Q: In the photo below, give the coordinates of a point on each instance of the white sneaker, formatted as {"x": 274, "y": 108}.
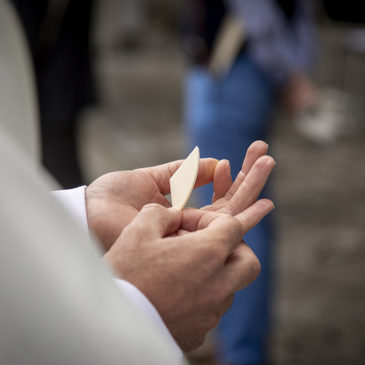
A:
{"x": 329, "y": 120}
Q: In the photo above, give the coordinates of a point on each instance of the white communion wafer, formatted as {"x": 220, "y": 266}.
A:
{"x": 183, "y": 180}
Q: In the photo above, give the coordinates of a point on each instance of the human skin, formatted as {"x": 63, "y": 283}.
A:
{"x": 189, "y": 264}
{"x": 114, "y": 199}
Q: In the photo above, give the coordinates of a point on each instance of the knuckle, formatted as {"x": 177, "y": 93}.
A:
{"x": 225, "y": 224}
{"x": 228, "y": 235}
{"x": 233, "y": 223}
{"x": 234, "y": 228}
{"x": 217, "y": 253}
{"x": 212, "y": 256}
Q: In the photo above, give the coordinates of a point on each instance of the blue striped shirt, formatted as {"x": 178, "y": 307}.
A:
{"x": 280, "y": 46}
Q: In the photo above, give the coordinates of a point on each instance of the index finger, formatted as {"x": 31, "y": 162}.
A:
{"x": 161, "y": 174}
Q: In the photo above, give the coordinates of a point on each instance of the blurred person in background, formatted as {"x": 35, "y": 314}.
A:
{"x": 58, "y": 35}
{"x": 227, "y": 109}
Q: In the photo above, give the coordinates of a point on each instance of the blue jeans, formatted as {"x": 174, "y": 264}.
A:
{"x": 223, "y": 117}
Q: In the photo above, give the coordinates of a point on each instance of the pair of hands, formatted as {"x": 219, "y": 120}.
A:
{"x": 189, "y": 264}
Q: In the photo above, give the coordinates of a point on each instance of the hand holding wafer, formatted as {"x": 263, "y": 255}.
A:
{"x": 114, "y": 199}
{"x": 190, "y": 263}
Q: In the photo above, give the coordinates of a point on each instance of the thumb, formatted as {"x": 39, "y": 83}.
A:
{"x": 155, "y": 221}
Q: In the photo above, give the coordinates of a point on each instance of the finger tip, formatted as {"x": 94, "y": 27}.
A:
{"x": 268, "y": 205}
{"x": 272, "y": 162}
{"x": 262, "y": 145}
{"x": 224, "y": 164}
{"x": 266, "y": 159}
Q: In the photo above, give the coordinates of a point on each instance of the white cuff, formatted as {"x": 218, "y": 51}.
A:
{"x": 139, "y": 300}
{"x": 74, "y": 201}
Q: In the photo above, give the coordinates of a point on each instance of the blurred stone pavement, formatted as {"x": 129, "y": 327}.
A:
{"x": 319, "y": 191}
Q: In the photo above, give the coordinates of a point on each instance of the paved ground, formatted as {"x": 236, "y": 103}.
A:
{"x": 319, "y": 304}
{"x": 320, "y": 255}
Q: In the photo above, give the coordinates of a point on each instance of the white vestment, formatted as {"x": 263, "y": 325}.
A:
{"x": 58, "y": 303}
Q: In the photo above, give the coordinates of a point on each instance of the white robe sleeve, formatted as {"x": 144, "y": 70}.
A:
{"x": 59, "y": 303}
{"x": 140, "y": 301}
{"x": 74, "y": 201}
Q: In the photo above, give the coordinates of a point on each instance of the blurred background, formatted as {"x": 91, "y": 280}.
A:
{"x": 131, "y": 116}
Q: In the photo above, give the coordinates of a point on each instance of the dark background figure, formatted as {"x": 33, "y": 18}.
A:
{"x": 349, "y": 11}
{"x": 58, "y": 33}
{"x": 225, "y": 112}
